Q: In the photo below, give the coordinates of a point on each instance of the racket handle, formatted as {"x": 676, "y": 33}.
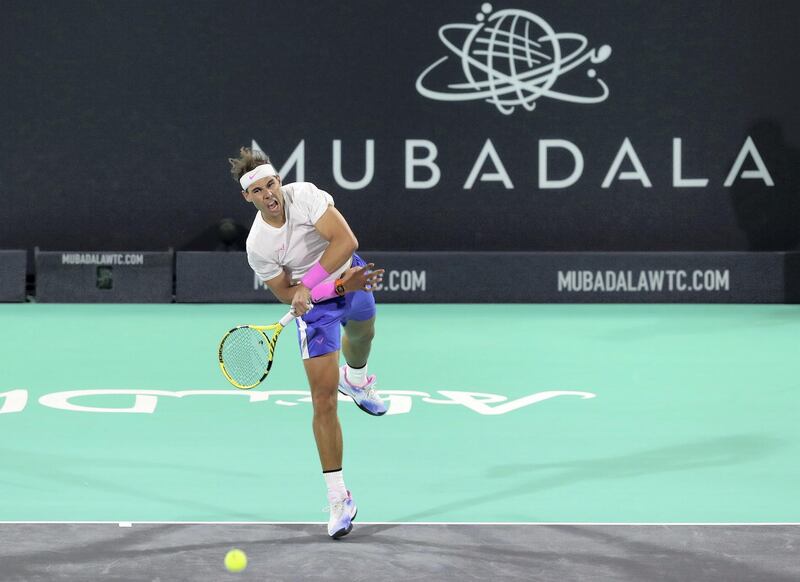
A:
{"x": 287, "y": 319}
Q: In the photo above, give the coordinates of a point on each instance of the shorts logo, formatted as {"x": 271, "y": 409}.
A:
{"x": 512, "y": 59}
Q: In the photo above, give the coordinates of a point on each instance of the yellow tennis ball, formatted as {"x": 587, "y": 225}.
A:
{"x": 235, "y": 560}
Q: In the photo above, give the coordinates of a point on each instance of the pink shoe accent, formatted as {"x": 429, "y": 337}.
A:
{"x": 368, "y": 380}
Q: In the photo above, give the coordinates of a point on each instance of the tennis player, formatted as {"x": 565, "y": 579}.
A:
{"x": 304, "y": 250}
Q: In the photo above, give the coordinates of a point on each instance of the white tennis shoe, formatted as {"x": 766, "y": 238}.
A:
{"x": 365, "y": 397}
{"x": 342, "y": 515}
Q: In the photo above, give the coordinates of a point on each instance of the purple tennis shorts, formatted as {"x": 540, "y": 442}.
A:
{"x": 318, "y": 330}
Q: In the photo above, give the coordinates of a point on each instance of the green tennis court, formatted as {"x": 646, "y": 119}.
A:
{"x": 499, "y": 413}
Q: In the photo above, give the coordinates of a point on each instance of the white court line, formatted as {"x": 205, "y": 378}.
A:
{"x": 429, "y": 523}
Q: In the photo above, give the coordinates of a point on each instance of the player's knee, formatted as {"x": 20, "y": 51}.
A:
{"x": 361, "y": 335}
{"x": 325, "y": 404}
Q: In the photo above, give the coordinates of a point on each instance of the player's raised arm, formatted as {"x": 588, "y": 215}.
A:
{"x": 342, "y": 244}
{"x": 334, "y": 228}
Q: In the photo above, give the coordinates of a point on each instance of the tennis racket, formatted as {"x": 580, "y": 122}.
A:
{"x": 246, "y": 352}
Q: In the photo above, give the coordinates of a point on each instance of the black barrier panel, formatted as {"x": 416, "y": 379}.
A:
{"x": 526, "y": 278}
{"x": 217, "y": 278}
{"x": 514, "y": 125}
{"x": 792, "y": 278}
{"x": 582, "y": 277}
{"x": 104, "y": 277}
{"x": 12, "y": 275}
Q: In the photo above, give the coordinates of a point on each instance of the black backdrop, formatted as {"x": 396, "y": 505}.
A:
{"x": 118, "y": 117}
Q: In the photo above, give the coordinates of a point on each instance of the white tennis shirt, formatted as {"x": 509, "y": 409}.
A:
{"x": 296, "y": 245}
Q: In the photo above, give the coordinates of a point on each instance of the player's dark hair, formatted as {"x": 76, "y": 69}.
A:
{"x": 247, "y": 160}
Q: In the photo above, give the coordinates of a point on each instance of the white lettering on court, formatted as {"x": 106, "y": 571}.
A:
{"x": 398, "y": 401}
{"x": 14, "y": 401}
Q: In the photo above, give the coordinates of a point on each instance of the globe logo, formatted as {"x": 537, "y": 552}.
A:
{"x": 511, "y": 58}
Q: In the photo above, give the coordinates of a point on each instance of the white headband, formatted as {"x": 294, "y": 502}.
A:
{"x": 262, "y": 171}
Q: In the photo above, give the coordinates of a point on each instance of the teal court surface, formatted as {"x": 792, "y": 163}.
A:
{"x": 615, "y": 417}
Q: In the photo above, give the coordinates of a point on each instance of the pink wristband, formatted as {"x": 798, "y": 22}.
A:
{"x": 323, "y": 291}
{"x": 316, "y": 275}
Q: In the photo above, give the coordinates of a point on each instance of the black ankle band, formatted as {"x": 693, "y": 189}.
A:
{"x": 332, "y": 470}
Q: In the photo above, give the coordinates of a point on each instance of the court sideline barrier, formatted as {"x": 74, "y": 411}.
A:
{"x": 12, "y": 275}
{"x": 104, "y": 277}
{"x": 217, "y": 277}
{"x": 490, "y": 277}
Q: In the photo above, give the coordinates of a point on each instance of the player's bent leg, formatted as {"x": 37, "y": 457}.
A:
{"x": 359, "y": 327}
{"x": 353, "y": 379}
{"x": 357, "y": 341}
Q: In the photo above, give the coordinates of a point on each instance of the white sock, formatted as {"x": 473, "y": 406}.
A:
{"x": 357, "y": 376}
{"x": 335, "y": 482}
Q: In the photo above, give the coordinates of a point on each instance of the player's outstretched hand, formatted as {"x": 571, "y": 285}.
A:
{"x": 364, "y": 278}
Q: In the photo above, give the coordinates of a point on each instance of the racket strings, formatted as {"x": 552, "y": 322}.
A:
{"x": 246, "y": 355}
